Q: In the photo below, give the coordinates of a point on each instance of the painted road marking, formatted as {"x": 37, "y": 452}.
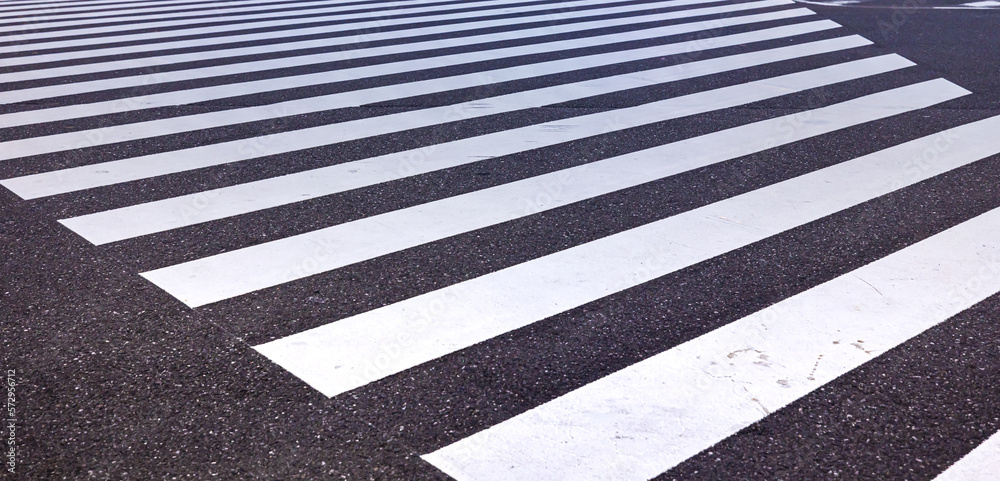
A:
{"x": 338, "y": 357}
{"x": 503, "y": 202}
{"x": 124, "y": 170}
{"x": 171, "y": 213}
{"x": 263, "y": 22}
{"x": 59, "y": 90}
{"x": 140, "y": 130}
{"x": 982, "y": 464}
{"x": 651, "y": 416}
{"x": 354, "y": 53}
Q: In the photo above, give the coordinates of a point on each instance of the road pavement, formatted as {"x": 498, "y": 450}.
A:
{"x": 500, "y": 239}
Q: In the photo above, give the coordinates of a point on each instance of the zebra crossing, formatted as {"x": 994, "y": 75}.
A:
{"x": 145, "y": 127}
{"x": 901, "y": 290}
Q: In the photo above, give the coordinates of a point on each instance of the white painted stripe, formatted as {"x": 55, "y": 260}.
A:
{"x": 89, "y": 4}
{"x": 241, "y": 22}
{"x": 23, "y": 95}
{"x": 50, "y": 19}
{"x": 111, "y": 134}
{"x": 338, "y": 357}
{"x": 113, "y": 65}
{"x": 68, "y": 6}
{"x": 60, "y": 19}
{"x": 265, "y": 265}
{"x": 651, "y": 416}
{"x": 261, "y": 21}
{"x": 492, "y": 206}
{"x": 322, "y": 77}
{"x": 983, "y": 463}
{"x": 124, "y": 170}
{"x": 244, "y": 21}
{"x": 17, "y": 5}
{"x": 108, "y": 135}
{"x": 377, "y": 33}
{"x": 11, "y": 12}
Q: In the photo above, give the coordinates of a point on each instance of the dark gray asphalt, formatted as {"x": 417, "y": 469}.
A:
{"x": 118, "y": 380}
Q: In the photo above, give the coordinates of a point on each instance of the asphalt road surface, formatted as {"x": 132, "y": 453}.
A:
{"x": 500, "y": 240}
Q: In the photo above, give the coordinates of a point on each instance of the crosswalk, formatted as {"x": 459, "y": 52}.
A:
{"x": 235, "y": 151}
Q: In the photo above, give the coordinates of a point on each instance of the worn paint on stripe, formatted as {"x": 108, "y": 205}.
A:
{"x": 651, "y": 416}
{"x": 341, "y": 356}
